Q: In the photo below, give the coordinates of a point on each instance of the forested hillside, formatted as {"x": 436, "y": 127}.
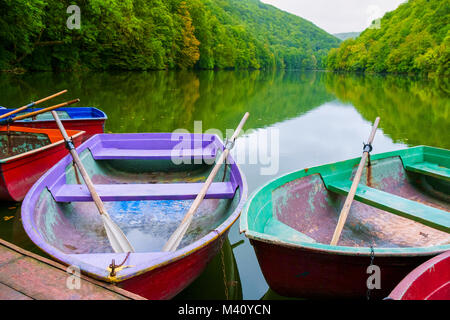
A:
{"x": 157, "y": 34}
{"x": 414, "y": 38}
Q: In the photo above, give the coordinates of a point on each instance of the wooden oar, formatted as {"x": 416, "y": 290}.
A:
{"x": 117, "y": 238}
{"x": 34, "y": 113}
{"x": 32, "y": 104}
{"x": 175, "y": 239}
{"x": 348, "y": 202}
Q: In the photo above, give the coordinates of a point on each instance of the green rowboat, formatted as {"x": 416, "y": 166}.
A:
{"x": 399, "y": 219}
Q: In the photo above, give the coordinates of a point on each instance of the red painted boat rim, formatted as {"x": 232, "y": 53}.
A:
{"x": 401, "y": 289}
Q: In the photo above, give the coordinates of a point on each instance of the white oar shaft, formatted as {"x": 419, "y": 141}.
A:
{"x": 177, "y": 236}
{"x": 348, "y": 201}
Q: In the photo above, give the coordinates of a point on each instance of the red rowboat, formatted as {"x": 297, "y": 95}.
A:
{"x": 429, "y": 281}
{"x": 27, "y": 153}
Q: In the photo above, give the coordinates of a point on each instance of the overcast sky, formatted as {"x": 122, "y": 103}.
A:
{"x": 335, "y": 16}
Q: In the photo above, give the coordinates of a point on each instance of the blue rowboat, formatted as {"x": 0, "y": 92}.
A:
{"x": 148, "y": 183}
{"x": 88, "y": 119}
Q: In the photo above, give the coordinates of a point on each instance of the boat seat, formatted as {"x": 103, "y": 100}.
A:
{"x": 429, "y": 216}
{"x": 135, "y": 192}
{"x": 430, "y": 169}
{"x": 153, "y": 154}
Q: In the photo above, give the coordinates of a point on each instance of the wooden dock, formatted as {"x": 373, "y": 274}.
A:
{"x": 28, "y": 276}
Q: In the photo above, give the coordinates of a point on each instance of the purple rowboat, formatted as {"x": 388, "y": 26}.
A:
{"x": 148, "y": 182}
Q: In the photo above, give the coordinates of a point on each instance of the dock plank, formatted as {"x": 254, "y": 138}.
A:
{"x": 7, "y": 293}
{"x": 25, "y": 275}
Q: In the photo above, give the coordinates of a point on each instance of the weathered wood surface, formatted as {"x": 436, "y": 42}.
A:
{"x": 25, "y": 275}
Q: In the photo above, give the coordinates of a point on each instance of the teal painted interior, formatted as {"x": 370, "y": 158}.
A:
{"x": 263, "y": 217}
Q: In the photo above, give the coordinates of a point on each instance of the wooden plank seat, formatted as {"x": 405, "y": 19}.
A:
{"x": 164, "y": 154}
{"x": 413, "y": 210}
{"x": 135, "y": 192}
{"x": 107, "y": 153}
{"x": 430, "y": 169}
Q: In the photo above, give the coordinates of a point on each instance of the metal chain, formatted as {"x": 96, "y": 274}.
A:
{"x": 372, "y": 257}
{"x": 222, "y": 258}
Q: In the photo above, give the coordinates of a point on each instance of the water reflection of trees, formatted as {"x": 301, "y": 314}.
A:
{"x": 412, "y": 111}
{"x": 166, "y": 100}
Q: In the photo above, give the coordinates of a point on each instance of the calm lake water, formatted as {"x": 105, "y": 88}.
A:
{"x": 306, "y": 118}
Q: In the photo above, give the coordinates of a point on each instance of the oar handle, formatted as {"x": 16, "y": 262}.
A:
{"x": 177, "y": 236}
{"x": 34, "y": 113}
{"x": 51, "y": 97}
{"x": 351, "y": 194}
{"x": 240, "y": 126}
{"x": 32, "y": 104}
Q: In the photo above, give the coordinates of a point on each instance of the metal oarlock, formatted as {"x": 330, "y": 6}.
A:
{"x": 229, "y": 144}
{"x": 367, "y": 147}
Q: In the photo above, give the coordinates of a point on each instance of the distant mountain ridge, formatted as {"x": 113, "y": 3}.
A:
{"x": 347, "y": 35}
{"x": 414, "y": 38}
{"x": 293, "y": 41}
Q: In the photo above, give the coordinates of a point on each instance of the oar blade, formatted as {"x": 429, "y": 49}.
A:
{"x": 117, "y": 238}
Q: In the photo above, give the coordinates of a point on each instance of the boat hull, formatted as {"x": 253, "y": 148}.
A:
{"x": 19, "y": 173}
{"x": 429, "y": 281}
{"x": 166, "y": 282}
{"x": 313, "y": 274}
